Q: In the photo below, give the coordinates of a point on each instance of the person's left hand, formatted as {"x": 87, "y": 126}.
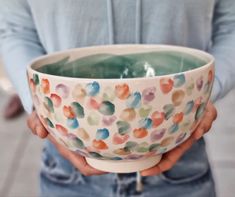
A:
{"x": 169, "y": 159}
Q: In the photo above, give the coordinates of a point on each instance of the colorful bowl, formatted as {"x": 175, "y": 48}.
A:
{"x": 122, "y": 125}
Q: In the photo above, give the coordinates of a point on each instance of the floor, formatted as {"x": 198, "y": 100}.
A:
{"x": 20, "y": 153}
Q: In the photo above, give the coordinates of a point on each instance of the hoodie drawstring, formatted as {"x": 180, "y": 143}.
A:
{"x": 139, "y": 184}
{"x": 138, "y": 22}
{"x": 110, "y": 21}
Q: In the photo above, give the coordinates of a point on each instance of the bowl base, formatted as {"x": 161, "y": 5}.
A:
{"x": 124, "y": 166}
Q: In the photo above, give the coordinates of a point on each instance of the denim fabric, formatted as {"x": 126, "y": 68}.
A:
{"x": 191, "y": 176}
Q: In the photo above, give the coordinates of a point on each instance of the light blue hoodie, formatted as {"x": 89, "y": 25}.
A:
{"x": 31, "y": 28}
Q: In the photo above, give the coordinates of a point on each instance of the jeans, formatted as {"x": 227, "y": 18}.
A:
{"x": 191, "y": 176}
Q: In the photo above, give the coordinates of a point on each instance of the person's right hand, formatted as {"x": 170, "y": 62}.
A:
{"x": 77, "y": 160}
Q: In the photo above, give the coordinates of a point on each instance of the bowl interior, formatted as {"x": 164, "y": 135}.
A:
{"x": 127, "y": 62}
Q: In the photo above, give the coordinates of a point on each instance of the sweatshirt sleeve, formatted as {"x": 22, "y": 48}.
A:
{"x": 19, "y": 45}
{"x": 223, "y": 47}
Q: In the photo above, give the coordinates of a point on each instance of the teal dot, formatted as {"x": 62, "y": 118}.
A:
{"x": 174, "y": 128}
{"x": 189, "y": 107}
{"x": 123, "y": 127}
{"x": 168, "y": 110}
{"x": 116, "y": 158}
{"x": 134, "y": 100}
{"x": 49, "y": 104}
{"x": 72, "y": 123}
{"x": 154, "y": 147}
{"x": 179, "y": 80}
{"x": 49, "y": 123}
{"x": 76, "y": 142}
{"x": 102, "y": 134}
{"x": 145, "y": 123}
{"x": 107, "y": 108}
{"x": 131, "y": 145}
{"x": 78, "y": 109}
{"x": 95, "y": 155}
{"x": 142, "y": 148}
{"x": 35, "y": 79}
{"x": 93, "y": 89}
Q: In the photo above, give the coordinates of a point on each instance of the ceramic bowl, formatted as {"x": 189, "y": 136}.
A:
{"x": 122, "y": 125}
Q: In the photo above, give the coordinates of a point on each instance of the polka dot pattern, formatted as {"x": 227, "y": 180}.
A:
{"x": 121, "y": 120}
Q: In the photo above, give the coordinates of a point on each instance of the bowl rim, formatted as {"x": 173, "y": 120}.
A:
{"x": 147, "y": 46}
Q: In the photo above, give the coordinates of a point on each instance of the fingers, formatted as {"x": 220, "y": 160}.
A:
{"x": 211, "y": 110}
{"x": 198, "y": 133}
{"x": 61, "y": 149}
{"x": 206, "y": 123}
{"x": 31, "y": 122}
{"x": 36, "y": 126}
{"x": 169, "y": 159}
{"x": 78, "y": 161}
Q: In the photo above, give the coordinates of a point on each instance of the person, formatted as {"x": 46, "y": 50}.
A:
{"x": 33, "y": 28}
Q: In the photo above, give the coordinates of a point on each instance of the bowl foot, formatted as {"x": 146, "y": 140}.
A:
{"x": 124, "y": 166}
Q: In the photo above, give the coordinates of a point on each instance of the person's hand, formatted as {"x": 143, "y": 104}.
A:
{"x": 169, "y": 159}
{"x": 78, "y": 161}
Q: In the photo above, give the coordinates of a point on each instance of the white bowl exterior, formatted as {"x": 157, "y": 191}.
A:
{"x": 196, "y": 89}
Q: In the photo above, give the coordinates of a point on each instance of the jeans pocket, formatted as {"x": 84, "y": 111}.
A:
{"x": 184, "y": 178}
{"x": 58, "y": 170}
{"x": 191, "y": 167}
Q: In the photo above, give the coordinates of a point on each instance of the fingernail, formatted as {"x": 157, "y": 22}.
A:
{"x": 38, "y": 130}
{"x": 143, "y": 174}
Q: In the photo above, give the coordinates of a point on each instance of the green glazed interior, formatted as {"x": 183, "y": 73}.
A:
{"x": 134, "y": 65}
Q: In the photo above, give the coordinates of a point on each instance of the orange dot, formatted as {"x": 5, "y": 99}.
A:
{"x": 140, "y": 133}
{"x": 178, "y": 97}
{"x": 93, "y": 103}
{"x": 122, "y": 151}
{"x": 122, "y": 91}
{"x": 56, "y": 100}
{"x": 157, "y": 118}
{"x": 61, "y": 129}
{"x": 178, "y": 117}
{"x": 45, "y": 86}
{"x": 167, "y": 141}
{"x": 166, "y": 85}
{"x": 128, "y": 114}
{"x": 99, "y": 144}
{"x": 68, "y": 112}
